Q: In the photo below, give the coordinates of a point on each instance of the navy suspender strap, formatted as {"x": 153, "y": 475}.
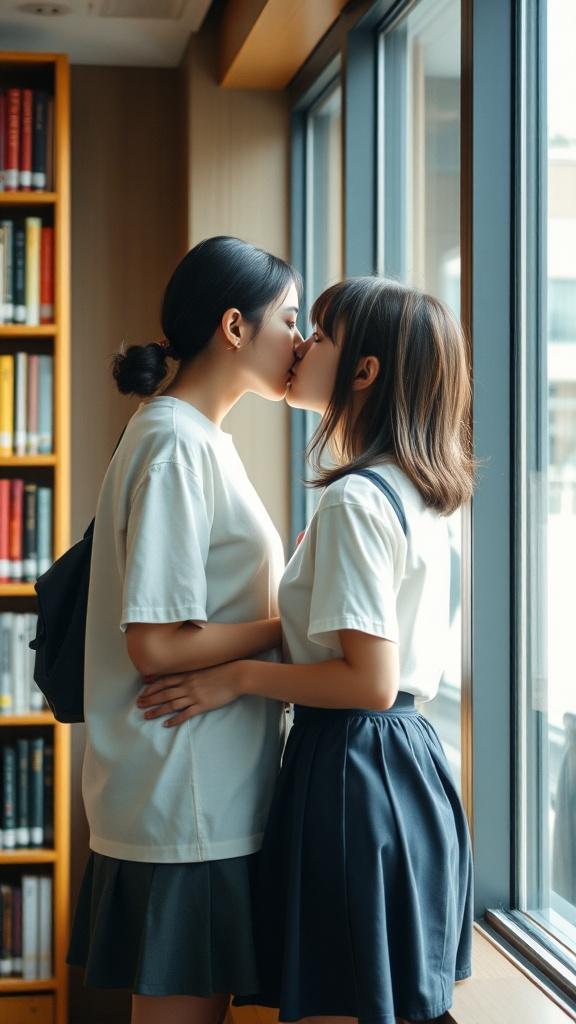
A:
{"x": 390, "y": 493}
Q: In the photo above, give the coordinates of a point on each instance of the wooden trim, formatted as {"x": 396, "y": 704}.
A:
{"x": 249, "y": 33}
{"x": 57, "y": 337}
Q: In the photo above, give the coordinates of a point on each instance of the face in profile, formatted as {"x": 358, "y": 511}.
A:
{"x": 270, "y": 355}
{"x": 313, "y": 374}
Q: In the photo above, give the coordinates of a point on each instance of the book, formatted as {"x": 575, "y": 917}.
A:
{"x": 37, "y": 701}
{"x": 48, "y": 795}
{"x": 33, "y": 386}
{"x": 6, "y": 958}
{"x": 7, "y": 271}
{"x": 44, "y": 967}
{"x": 30, "y": 546}
{"x": 44, "y": 520}
{"x": 4, "y": 530}
{"x": 16, "y": 529}
{"x": 6, "y": 687}
{"x": 2, "y": 138}
{"x": 17, "y": 930}
{"x": 8, "y": 797}
{"x": 40, "y": 140}
{"x": 33, "y": 231}
{"x": 20, "y": 401}
{"x": 25, "y": 168}
{"x": 12, "y": 155}
{"x": 30, "y": 926}
{"x": 20, "y": 685}
{"x": 6, "y": 404}
{"x": 46, "y": 405}
{"x": 37, "y": 791}
{"x": 47, "y": 275}
{"x": 19, "y": 272}
{"x": 22, "y": 793}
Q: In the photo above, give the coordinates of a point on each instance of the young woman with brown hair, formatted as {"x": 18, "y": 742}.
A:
{"x": 364, "y": 905}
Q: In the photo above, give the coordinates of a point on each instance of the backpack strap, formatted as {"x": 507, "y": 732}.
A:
{"x": 390, "y": 493}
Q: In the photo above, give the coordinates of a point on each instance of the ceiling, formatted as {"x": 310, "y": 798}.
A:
{"x": 140, "y": 33}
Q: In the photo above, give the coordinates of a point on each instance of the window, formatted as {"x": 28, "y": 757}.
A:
{"x": 419, "y": 239}
{"x": 547, "y": 527}
{"x": 318, "y": 206}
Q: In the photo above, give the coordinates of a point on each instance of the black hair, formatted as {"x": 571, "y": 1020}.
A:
{"x": 217, "y": 274}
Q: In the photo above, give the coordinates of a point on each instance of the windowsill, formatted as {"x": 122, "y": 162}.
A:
{"x": 500, "y": 991}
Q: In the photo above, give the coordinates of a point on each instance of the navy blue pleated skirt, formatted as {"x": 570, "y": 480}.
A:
{"x": 363, "y": 902}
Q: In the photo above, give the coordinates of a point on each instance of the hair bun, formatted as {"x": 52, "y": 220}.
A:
{"x": 140, "y": 369}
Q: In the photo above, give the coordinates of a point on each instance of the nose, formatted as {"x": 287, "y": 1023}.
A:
{"x": 301, "y": 346}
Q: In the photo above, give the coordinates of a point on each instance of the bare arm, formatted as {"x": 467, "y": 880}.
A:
{"x": 365, "y": 677}
{"x": 181, "y": 646}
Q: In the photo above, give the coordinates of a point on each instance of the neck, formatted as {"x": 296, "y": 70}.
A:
{"x": 209, "y": 384}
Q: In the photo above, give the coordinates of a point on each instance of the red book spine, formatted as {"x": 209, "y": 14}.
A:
{"x": 11, "y": 172}
{"x": 25, "y": 176}
{"x": 47, "y": 276}
{"x": 2, "y": 139}
{"x": 16, "y": 528}
{"x": 4, "y": 531}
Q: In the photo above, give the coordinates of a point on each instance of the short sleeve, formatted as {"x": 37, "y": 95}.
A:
{"x": 167, "y": 543}
{"x": 353, "y": 575}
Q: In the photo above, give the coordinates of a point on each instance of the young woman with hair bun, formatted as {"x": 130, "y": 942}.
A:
{"x": 185, "y": 570}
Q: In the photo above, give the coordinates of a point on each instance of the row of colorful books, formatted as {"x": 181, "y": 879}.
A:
{"x": 26, "y": 928}
{"x": 25, "y": 530}
{"x": 26, "y": 404}
{"x": 27, "y": 786}
{"x": 26, "y": 140}
{"x": 26, "y": 271}
{"x": 19, "y": 694}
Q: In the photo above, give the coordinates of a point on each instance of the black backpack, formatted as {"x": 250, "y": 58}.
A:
{"x": 60, "y": 634}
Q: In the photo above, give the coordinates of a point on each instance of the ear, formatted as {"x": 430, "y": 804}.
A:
{"x": 366, "y": 373}
{"x": 234, "y": 328}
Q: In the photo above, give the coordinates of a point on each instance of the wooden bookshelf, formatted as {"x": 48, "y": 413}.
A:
{"x": 48, "y": 998}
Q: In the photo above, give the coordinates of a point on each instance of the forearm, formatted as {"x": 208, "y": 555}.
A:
{"x": 326, "y": 684}
{"x": 187, "y": 648}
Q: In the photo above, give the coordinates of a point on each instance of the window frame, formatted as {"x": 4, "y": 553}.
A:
{"x": 494, "y": 131}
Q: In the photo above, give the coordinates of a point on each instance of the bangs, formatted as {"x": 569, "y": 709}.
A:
{"x": 328, "y": 309}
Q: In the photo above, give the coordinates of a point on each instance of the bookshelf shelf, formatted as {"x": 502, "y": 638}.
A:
{"x": 27, "y": 460}
{"x": 24, "y": 331}
{"x": 17, "y": 590}
{"x": 32, "y": 718}
{"x": 19, "y": 985}
{"x": 27, "y": 857}
{"x": 28, "y": 198}
{"x": 48, "y": 997}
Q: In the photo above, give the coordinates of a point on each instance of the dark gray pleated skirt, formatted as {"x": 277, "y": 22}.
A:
{"x": 363, "y": 903}
{"x": 166, "y": 929}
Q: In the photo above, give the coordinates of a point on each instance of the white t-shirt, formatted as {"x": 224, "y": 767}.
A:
{"x": 355, "y": 569}
{"x": 180, "y": 535}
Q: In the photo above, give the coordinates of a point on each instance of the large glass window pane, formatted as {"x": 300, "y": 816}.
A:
{"x": 548, "y": 773}
{"x": 420, "y": 226}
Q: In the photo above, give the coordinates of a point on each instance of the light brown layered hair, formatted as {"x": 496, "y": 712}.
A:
{"x": 417, "y": 411}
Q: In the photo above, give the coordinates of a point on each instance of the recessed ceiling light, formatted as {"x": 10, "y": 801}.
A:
{"x": 44, "y": 10}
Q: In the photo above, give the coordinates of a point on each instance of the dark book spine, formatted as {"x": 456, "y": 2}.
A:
{"x": 17, "y": 930}
{"x": 19, "y": 273}
{"x": 6, "y": 964}
{"x": 49, "y": 795}
{"x": 30, "y": 533}
{"x": 9, "y": 797}
{"x": 37, "y": 791}
{"x": 22, "y": 794}
{"x": 39, "y": 140}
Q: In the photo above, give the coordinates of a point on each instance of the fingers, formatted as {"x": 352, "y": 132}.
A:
{"x": 161, "y": 683}
{"x": 191, "y": 712}
{"x": 160, "y": 696}
{"x": 177, "y": 704}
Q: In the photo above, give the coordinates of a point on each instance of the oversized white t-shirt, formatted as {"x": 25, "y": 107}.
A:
{"x": 180, "y": 535}
{"x": 355, "y": 569}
